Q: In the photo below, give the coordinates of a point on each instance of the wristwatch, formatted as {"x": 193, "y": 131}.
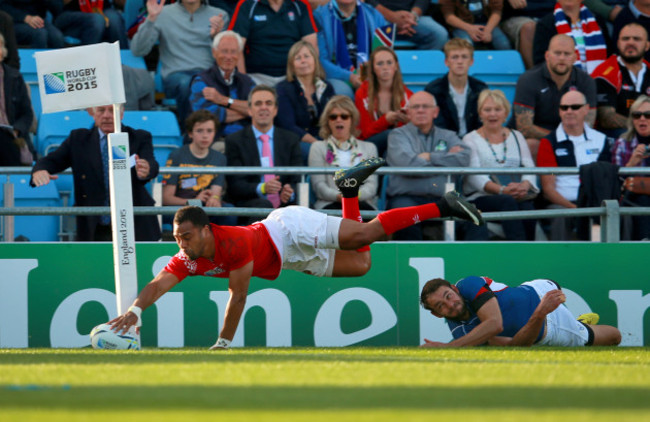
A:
{"x": 230, "y": 102}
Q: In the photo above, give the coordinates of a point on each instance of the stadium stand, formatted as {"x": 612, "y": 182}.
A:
{"x": 43, "y": 228}
{"x": 53, "y": 128}
{"x": 498, "y": 69}
{"x": 419, "y": 67}
{"x": 28, "y": 70}
{"x": 163, "y": 127}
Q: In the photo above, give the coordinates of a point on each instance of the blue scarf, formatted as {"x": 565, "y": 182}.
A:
{"x": 341, "y": 54}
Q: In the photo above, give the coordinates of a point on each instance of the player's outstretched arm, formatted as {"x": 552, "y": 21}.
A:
{"x": 491, "y": 325}
{"x": 238, "y": 288}
{"x": 157, "y": 287}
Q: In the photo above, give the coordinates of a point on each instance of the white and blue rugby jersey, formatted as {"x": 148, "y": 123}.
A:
{"x": 517, "y": 305}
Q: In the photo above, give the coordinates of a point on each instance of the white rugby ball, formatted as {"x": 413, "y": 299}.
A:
{"x": 103, "y": 337}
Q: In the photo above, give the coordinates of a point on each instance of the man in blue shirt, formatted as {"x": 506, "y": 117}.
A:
{"x": 480, "y": 311}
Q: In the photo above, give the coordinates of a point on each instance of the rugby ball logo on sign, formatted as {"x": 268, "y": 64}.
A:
{"x": 54, "y": 83}
{"x": 70, "y": 81}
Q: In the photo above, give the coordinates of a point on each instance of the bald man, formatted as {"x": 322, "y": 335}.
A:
{"x": 421, "y": 144}
{"x": 572, "y": 144}
{"x": 539, "y": 90}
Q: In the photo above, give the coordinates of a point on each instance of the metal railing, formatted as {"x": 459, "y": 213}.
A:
{"x": 609, "y": 213}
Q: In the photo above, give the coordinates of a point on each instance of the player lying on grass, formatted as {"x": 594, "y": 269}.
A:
{"x": 295, "y": 238}
{"x": 480, "y": 311}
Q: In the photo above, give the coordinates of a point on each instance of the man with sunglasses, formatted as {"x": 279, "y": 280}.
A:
{"x": 622, "y": 78}
{"x": 539, "y": 90}
{"x": 572, "y": 144}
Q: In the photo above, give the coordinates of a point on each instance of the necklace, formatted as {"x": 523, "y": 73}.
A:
{"x": 494, "y": 153}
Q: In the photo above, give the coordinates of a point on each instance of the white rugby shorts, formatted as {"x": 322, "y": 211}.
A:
{"x": 306, "y": 239}
{"x": 562, "y": 329}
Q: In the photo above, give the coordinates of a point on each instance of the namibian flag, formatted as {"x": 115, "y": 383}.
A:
{"x": 384, "y": 35}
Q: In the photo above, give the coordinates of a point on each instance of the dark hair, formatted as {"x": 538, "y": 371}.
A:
{"x": 430, "y": 287}
{"x": 195, "y": 215}
{"x": 200, "y": 116}
{"x": 258, "y": 88}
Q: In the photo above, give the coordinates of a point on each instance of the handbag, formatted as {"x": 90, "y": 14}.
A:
{"x": 638, "y": 184}
{"x": 506, "y": 179}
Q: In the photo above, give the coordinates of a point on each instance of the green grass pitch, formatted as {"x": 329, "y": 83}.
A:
{"x": 333, "y": 385}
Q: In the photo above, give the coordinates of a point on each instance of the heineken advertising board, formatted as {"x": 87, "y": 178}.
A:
{"x": 51, "y": 295}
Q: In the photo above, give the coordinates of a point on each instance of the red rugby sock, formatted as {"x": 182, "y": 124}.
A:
{"x": 401, "y": 218}
{"x": 351, "y": 212}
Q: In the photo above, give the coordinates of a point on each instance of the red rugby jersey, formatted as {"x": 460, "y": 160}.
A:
{"x": 235, "y": 246}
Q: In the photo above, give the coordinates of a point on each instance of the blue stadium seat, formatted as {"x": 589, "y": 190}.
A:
{"x": 163, "y": 127}
{"x": 419, "y": 67}
{"x": 53, "y": 128}
{"x": 167, "y": 102}
{"x": 129, "y": 59}
{"x": 30, "y": 75}
{"x": 35, "y": 228}
{"x": 500, "y": 69}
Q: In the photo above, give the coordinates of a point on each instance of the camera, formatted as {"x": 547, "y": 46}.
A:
{"x": 647, "y": 150}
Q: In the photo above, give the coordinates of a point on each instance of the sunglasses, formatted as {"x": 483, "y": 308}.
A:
{"x": 637, "y": 114}
{"x": 565, "y": 107}
{"x": 333, "y": 117}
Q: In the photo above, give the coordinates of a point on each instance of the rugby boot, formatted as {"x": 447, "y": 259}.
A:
{"x": 349, "y": 180}
{"x": 453, "y": 205}
{"x": 589, "y": 319}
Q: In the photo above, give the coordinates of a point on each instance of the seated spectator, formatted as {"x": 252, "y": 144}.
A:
{"x": 607, "y": 10}
{"x": 589, "y": 34}
{"x": 222, "y": 89}
{"x": 227, "y": 5}
{"x": 184, "y": 29}
{"x": 31, "y": 27}
{"x": 86, "y": 152}
{"x": 476, "y": 22}
{"x": 7, "y": 30}
{"x": 538, "y": 92}
{"x": 519, "y": 21}
{"x": 303, "y": 95}
{"x": 633, "y": 150}
{"x": 92, "y": 22}
{"x": 201, "y": 127}
{"x": 420, "y": 144}
{"x": 412, "y": 22}
{"x": 622, "y": 78}
{"x": 572, "y": 144}
{"x": 269, "y": 29}
{"x": 345, "y": 39}
{"x": 493, "y": 145}
{"x": 457, "y": 92}
{"x": 16, "y": 116}
{"x": 340, "y": 149}
{"x": 381, "y": 99}
{"x": 637, "y": 11}
{"x": 262, "y": 145}
{"x": 139, "y": 88}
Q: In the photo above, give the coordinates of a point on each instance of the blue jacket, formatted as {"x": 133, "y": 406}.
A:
{"x": 327, "y": 36}
{"x": 293, "y": 113}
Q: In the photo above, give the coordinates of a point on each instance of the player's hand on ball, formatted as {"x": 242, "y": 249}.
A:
{"x": 123, "y": 322}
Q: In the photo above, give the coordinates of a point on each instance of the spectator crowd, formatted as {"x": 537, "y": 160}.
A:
{"x": 269, "y": 83}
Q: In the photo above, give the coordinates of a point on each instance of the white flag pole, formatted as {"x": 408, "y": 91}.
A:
{"x": 124, "y": 261}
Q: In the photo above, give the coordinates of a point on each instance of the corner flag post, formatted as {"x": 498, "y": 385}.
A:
{"x": 124, "y": 262}
{"x": 89, "y": 76}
